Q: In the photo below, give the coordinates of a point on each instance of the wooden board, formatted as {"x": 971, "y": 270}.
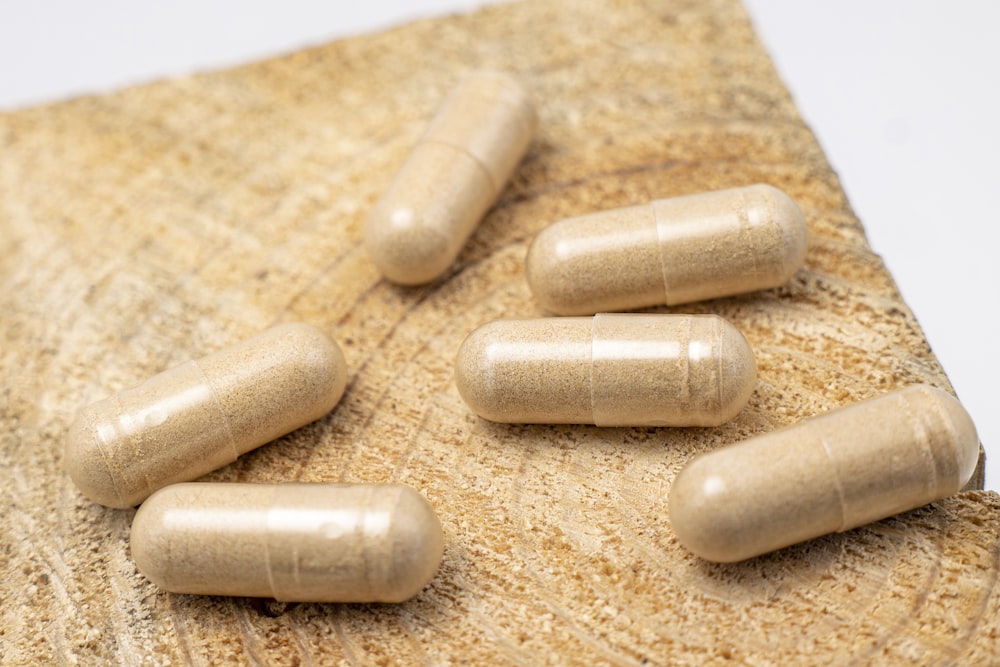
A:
{"x": 159, "y": 223}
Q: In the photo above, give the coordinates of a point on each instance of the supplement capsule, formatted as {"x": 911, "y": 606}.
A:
{"x": 201, "y": 415}
{"x": 827, "y": 474}
{"x": 452, "y": 177}
{"x": 669, "y": 251}
{"x": 608, "y": 370}
{"x": 292, "y": 542}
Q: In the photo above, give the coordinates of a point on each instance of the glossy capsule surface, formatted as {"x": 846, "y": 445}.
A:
{"x": 202, "y": 415}
{"x": 292, "y": 542}
{"x": 670, "y": 251}
{"x": 608, "y": 370}
{"x": 827, "y": 474}
{"x": 451, "y": 178}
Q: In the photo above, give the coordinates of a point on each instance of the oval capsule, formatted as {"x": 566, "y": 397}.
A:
{"x": 451, "y": 178}
{"x": 192, "y": 419}
{"x": 607, "y": 370}
{"x": 293, "y": 542}
{"x": 669, "y": 251}
{"x": 827, "y": 474}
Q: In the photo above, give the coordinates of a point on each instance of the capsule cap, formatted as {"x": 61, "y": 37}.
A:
{"x": 669, "y": 370}
{"x": 421, "y": 222}
{"x": 606, "y": 261}
{"x": 728, "y": 242}
{"x": 966, "y": 439}
{"x": 737, "y": 371}
{"x": 528, "y": 371}
{"x": 960, "y": 445}
{"x": 696, "y": 496}
{"x": 417, "y": 546}
{"x": 86, "y": 460}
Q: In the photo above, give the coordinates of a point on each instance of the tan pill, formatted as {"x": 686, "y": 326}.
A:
{"x": 827, "y": 474}
{"x": 608, "y": 370}
{"x": 292, "y": 542}
{"x": 200, "y": 416}
{"x": 669, "y": 251}
{"x": 452, "y": 177}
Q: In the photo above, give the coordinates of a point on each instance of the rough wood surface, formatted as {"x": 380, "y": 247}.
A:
{"x": 157, "y": 224}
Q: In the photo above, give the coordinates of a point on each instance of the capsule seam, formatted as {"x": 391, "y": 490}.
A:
{"x": 115, "y": 481}
{"x": 267, "y": 553}
{"x": 593, "y": 368}
{"x": 746, "y": 210}
{"x": 684, "y": 400}
{"x": 394, "y": 561}
{"x": 365, "y": 534}
{"x": 837, "y": 484}
{"x": 921, "y": 436}
{"x": 222, "y": 412}
{"x": 460, "y": 149}
{"x": 661, "y": 248}
{"x": 720, "y": 375}
{"x": 953, "y": 436}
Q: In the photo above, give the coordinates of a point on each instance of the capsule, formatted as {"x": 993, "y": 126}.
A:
{"x": 827, "y": 474}
{"x": 454, "y": 174}
{"x": 607, "y": 370}
{"x": 201, "y": 415}
{"x": 292, "y": 542}
{"x": 669, "y": 251}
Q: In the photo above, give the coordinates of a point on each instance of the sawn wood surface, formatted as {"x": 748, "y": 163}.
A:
{"x": 146, "y": 227}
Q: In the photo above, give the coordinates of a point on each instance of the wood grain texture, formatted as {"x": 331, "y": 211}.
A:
{"x": 160, "y": 223}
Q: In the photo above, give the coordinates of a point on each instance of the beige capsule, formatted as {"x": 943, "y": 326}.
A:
{"x": 608, "y": 370}
{"x": 827, "y": 474}
{"x": 293, "y": 542}
{"x": 199, "y": 416}
{"x": 669, "y": 251}
{"x": 451, "y": 178}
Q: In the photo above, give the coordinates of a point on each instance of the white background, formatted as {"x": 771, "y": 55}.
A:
{"x": 901, "y": 93}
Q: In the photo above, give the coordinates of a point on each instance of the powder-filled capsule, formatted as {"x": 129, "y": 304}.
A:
{"x": 293, "y": 542}
{"x": 192, "y": 419}
{"x": 608, "y": 370}
{"x": 827, "y": 474}
{"x": 669, "y": 251}
{"x": 451, "y": 178}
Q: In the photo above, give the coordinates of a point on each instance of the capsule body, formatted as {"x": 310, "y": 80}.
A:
{"x": 827, "y": 474}
{"x": 452, "y": 177}
{"x": 201, "y": 415}
{"x": 608, "y": 370}
{"x": 669, "y": 251}
{"x": 292, "y": 542}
